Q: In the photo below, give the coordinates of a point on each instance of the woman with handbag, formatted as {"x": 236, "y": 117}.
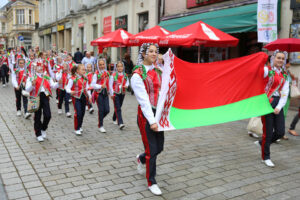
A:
{"x": 39, "y": 87}
{"x": 277, "y": 90}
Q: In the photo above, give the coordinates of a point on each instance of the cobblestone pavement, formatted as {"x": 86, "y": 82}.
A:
{"x": 214, "y": 162}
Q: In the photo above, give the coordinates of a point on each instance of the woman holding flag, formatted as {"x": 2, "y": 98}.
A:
{"x": 277, "y": 90}
{"x": 146, "y": 84}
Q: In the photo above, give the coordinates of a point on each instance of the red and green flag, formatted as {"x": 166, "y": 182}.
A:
{"x": 204, "y": 94}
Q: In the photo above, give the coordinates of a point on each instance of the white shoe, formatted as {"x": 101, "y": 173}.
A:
{"x": 115, "y": 122}
{"x": 122, "y": 126}
{"x": 81, "y": 130}
{"x": 278, "y": 140}
{"x": 59, "y": 111}
{"x": 91, "y": 110}
{"x": 68, "y": 114}
{"x": 44, "y": 134}
{"x": 70, "y": 100}
{"x": 19, "y": 113}
{"x": 78, "y": 132}
{"x": 269, "y": 163}
{"x": 140, "y": 167}
{"x": 3, "y": 85}
{"x": 102, "y": 130}
{"x": 27, "y": 115}
{"x": 254, "y": 135}
{"x": 155, "y": 189}
{"x": 40, "y": 138}
{"x": 86, "y": 108}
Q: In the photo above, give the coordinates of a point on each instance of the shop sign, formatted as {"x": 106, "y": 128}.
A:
{"x": 54, "y": 29}
{"x": 60, "y": 27}
{"x": 197, "y": 3}
{"x": 80, "y": 25}
{"x": 121, "y": 22}
{"x": 68, "y": 25}
{"x": 106, "y": 25}
{"x": 295, "y": 33}
{"x": 266, "y": 21}
{"x": 47, "y": 31}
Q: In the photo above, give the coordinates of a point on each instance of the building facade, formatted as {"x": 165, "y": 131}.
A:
{"x": 238, "y": 18}
{"x": 74, "y": 24}
{"x": 20, "y": 19}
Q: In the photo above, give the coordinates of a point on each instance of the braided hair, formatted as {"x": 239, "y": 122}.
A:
{"x": 144, "y": 49}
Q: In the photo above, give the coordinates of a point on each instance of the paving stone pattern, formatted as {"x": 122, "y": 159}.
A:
{"x": 214, "y": 162}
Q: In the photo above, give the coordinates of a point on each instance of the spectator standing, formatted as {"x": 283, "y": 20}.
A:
{"x": 78, "y": 56}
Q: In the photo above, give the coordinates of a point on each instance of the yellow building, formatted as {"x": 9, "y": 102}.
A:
{"x": 22, "y": 19}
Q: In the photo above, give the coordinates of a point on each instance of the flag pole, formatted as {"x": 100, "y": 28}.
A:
{"x": 198, "y": 53}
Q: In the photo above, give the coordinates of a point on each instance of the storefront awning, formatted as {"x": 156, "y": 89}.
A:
{"x": 230, "y": 20}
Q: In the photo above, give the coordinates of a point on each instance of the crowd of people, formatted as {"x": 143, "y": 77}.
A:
{"x": 85, "y": 80}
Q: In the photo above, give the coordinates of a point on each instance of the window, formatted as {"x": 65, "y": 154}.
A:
{"x": 20, "y": 16}
{"x": 30, "y": 16}
{"x": 3, "y": 27}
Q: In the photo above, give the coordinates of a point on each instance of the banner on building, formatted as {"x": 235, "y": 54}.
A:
{"x": 106, "y": 25}
{"x": 204, "y": 94}
{"x": 266, "y": 20}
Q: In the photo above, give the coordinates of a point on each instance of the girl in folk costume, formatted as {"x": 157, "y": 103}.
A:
{"x": 4, "y": 70}
{"x": 146, "y": 84}
{"x": 49, "y": 58}
{"x": 62, "y": 76}
{"x": 70, "y": 62}
{"x": 40, "y": 85}
{"x": 277, "y": 90}
{"x": 89, "y": 74}
{"x": 29, "y": 62}
{"x": 19, "y": 77}
{"x": 118, "y": 83}
{"x": 58, "y": 66}
{"x": 78, "y": 88}
{"x": 100, "y": 84}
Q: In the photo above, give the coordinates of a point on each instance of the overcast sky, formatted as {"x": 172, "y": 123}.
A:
{"x": 3, "y": 2}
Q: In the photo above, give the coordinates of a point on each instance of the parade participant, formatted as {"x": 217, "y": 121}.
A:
{"x": 11, "y": 59}
{"x": 19, "y": 77}
{"x": 29, "y": 63}
{"x": 118, "y": 83}
{"x": 100, "y": 84}
{"x": 4, "y": 70}
{"x": 62, "y": 76}
{"x": 89, "y": 75}
{"x": 78, "y": 88}
{"x": 146, "y": 83}
{"x": 277, "y": 90}
{"x": 70, "y": 62}
{"x": 40, "y": 85}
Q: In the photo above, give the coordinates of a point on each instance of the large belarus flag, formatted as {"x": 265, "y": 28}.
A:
{"x": 211, "y": 93}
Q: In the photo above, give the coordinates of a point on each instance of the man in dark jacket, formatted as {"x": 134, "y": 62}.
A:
{"x": 78, "y": 56}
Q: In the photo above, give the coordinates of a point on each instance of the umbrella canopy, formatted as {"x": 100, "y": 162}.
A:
{"x": 150, "y": 35}
{"x": 198, "y": 34}
{"x": 117, "y": 38}
{"x": 284, "y": 44}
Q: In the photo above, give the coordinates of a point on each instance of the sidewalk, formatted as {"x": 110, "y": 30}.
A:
{"x": 214, "y": 162}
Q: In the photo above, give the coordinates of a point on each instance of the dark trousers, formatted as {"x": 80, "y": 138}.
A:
{"x": 273, "y": 129}
{"x": 118, "y": 102}
{"x": 295, "y": 120}
{"x": 103, "y": 107}
{"x": 4, "y": 74}
{"x": 19, "y": 95}
{"x": 63, "y": 96}
{"x": 88, "y": 103}
{"x": 79, "y": 108}
{"x": 45, "y": 108}
{"x": 153, "y": 144}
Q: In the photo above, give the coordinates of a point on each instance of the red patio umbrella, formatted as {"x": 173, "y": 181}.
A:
{"x": 284, "y": 44}
{"x": 150, "y": 35}
{"x": 198, "y": 34}
{"x": 117, "y": 38}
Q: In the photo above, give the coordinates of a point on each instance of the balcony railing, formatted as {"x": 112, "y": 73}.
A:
{"x": 27, "y": 27}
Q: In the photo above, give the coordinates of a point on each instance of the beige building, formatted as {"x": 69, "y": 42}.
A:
{"x": 107, "y": 16}
{"x": 3, "y": 29}
{"x": 21, "y": 18}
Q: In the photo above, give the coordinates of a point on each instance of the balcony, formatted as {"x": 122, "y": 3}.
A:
{"x": 23, "y": 27}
